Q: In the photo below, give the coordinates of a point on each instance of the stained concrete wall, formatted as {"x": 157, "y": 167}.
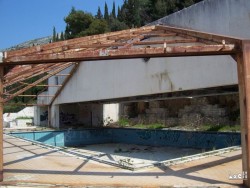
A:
{"x": 124, "y": 78}
{"x": 110, "y": 113}
{"x": 26, "y": 112}
{"x": 55, "y": 116}
{"x": 57, "y": 80}
{"x": 44, "y": 100}
{"x": 226, "y": 17}
{"x": 40, "y": 116}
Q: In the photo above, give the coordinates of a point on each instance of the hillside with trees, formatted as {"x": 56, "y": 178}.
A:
{"x": 79, "y": 23}
{"x": 132, "y": 14}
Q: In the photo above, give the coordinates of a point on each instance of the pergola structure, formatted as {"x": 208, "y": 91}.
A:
{"x": 38, "y": 63}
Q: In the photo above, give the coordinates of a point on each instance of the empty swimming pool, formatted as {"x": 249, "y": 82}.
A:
{"x": 135, "y": 148}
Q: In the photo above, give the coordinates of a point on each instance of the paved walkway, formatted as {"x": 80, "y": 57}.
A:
{"x": 27, "y": 163}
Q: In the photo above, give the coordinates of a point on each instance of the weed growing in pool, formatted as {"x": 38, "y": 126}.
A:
{"x": 126, "y": 163}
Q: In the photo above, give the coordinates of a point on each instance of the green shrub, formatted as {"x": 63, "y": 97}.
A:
{"x": 123, "y": 122}
{"x": 24, "y": 117}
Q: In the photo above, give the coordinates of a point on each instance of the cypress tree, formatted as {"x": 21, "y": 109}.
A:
{"x": 62, "y": 36}
{"x": 122, "y": 15}
{"x": 106, "y": 12}
{"x": 67, "y": 33}
{"x": 132, "y": 17}
{"x": 113, "y": 10}
{"x": 57, "y": 37}
{"x": 119, "y": 13}
{"x": 54, "y": 34}
{"x": 99, "y": 14}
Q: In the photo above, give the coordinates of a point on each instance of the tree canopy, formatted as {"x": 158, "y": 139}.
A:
{"x": 76, "y": 22}
{"x": 132, "y": 13}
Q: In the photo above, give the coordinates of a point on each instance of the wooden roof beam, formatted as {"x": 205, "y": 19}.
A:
{"x": 170, "y": 51}
{"x": 117, "y": 44}
{"x": 62, "y": 74}
{"x": 166, "y": 41}
{"x": 29, "y": 75}
{"x": 54, "y": 45}
{"x": 18, "y": 104}
{"x": 35, "y": 95}
{"x": 60, "y": 68}
{"x": 219, "y": 39}
{"x": 43, "y": 85}
{"x": 12, "y": 89}
{"x": 30, "y": 71}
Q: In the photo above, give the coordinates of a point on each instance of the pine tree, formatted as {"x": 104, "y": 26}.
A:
{"x": 119, "y": 13}
{"x": 185, "y": 3}
{"x": 99, "y": 14}
{"x": 113, "y": 11}
{"x": 77, "y": 22}
{"x": 122, "y": 15}
{"x": 62, "y": 36}
{"x": 132, "y": 15}
{"x": 54, "y": 34}
{"x": 57, "y": 37}
{"x": 160, "y": 8}
{"x": 106, "y": 12}
{"x": 67, "y": 32}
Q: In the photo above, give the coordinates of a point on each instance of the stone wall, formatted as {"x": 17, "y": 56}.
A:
{"x": 214, "y": 110}
{"x": 201, "y": 112}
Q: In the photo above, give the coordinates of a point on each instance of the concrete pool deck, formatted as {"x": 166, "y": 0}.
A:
{"x": 26, "y": 163}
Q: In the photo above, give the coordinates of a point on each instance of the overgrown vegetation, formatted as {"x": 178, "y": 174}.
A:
{"x": 13, "y": 108}
{"x": 220, "y": 128}
{"x": 124, "y": 122}
{"x": 20, "y": 101}
{"x": 24, "y": 117}
{"x": 150, "y": 126}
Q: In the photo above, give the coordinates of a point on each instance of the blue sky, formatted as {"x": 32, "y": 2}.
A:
{"x": 23, "y": 20}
